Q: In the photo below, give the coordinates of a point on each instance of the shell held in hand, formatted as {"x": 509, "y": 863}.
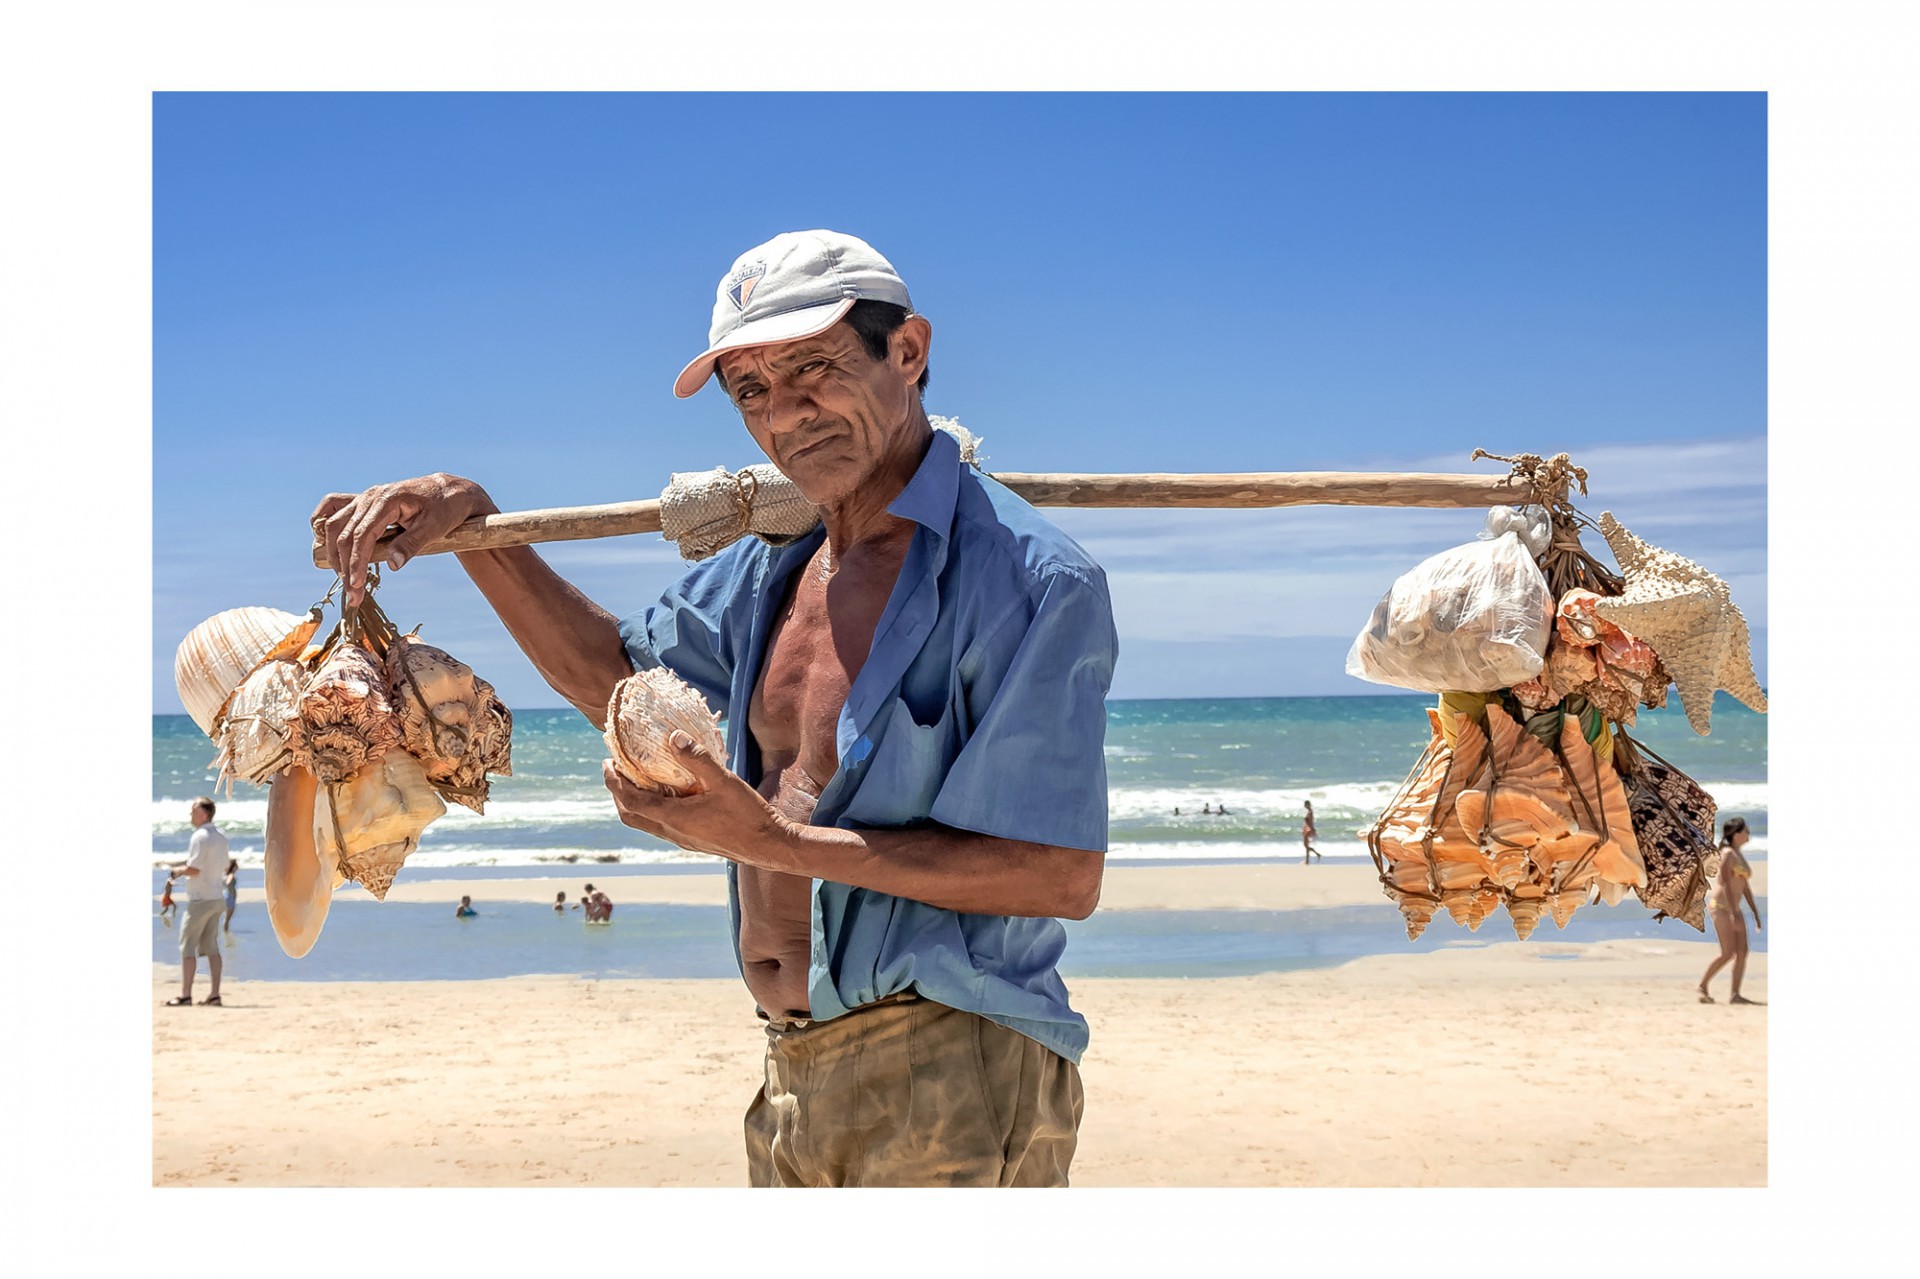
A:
{"x": 641, "y": 715}
{"x": 218, "y": 655}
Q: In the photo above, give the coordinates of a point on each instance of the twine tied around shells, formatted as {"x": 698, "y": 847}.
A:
{"x": 1565, "y": 562}
{"x": 704, "y": 512}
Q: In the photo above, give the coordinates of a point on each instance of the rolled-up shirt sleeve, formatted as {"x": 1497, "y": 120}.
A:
{"x": 684, "y": 631}
{"x": 1034, "y": 767}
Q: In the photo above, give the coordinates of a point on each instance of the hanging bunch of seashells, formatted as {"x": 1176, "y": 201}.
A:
{"x": 1531, "y": 795}
{"x": 360, "y": 738}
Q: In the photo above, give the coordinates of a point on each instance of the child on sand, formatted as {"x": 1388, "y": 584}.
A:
{"x": 166, "y": 903}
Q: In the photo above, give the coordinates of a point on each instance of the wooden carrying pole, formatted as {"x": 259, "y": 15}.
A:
{"x": 1229, "y": 491}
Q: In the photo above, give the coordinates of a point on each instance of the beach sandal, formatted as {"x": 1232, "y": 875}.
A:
{"x": 211, "y": 999}
{"x": 178, "y": 1001}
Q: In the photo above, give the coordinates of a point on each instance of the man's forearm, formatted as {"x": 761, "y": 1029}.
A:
{"x": 573, "y": 642}
{"x": 953, "y": 869}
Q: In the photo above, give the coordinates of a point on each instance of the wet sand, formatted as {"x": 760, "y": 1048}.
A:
{"x": 1530, "y": 1063}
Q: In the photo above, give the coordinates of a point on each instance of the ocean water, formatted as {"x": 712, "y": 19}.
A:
{"x": 365, "y": 940}
{"x": 1260, "y": 758}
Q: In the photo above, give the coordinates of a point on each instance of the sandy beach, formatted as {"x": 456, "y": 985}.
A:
{"x": 1535, "y": 1063}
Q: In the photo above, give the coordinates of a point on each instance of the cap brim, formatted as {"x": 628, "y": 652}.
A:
{"x": 784, "y": 327}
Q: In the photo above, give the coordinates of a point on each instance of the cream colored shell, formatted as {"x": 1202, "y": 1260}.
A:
{"x": 222, "y": 651}
{"x": 379, "y": 813}
{"x": 641, "y": 715}
{"x": 450, "y": 720}
{"x": 254, "y": 732}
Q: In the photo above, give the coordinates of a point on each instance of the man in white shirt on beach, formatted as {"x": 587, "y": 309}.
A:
{"x": 205, "y": 871}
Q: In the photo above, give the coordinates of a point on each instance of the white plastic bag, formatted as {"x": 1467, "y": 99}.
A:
{"x": 1530, "y": 523}
{"x": 1471, "y": 619}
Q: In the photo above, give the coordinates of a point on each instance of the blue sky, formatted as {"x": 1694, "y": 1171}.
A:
{"x": 349, "y": 288}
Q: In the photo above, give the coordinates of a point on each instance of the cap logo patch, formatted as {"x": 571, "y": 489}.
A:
{"x": 740, "y": 284}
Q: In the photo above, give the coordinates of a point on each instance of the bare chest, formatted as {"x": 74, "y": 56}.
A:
{"x": 819, "y": 642}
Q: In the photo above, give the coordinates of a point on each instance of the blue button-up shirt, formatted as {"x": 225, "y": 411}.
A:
{"x": 981, "y": 707}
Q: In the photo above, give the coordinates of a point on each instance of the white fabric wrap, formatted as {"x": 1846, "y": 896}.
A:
{"x": 705, "y": 512}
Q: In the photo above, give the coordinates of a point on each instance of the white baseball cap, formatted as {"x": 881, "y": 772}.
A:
{"x": 793, "y": 286}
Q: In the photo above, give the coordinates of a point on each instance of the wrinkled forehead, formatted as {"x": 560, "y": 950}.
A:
{"x": 781, "y": 357}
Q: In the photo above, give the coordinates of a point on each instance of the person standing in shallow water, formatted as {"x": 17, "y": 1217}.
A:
{"x": 232, "y": 889}
{"x": 1733, "y": 883}
{"x": 1307, "y": 835}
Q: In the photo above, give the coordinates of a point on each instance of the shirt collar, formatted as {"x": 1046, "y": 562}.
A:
{"x": 929, "y": 497}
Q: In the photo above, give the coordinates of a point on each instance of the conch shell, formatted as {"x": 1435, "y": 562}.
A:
{"x": 1595, "y": 658}
{"x": 218, "y": 655}
{"x": 1459, "y": 864}
{"x": 1673, "y": 822}
{"x": 641, "y": 715}
{"x": 365, "y": 827}
{"x": 450, "y": 720}
{"x": 258, "y": 721}
{"x": 346, "y": 717}
{"x": 1398, "y": 840}
{"x": 1494, "y": 815}
{"x": 1600, "y": 806}
{"x": 299, "y": 891}
{"x": 1523, "y": 803}
{"x": 1577, "y": 621}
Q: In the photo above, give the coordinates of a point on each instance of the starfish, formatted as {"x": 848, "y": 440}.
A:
{"x": 1688, "y": 617}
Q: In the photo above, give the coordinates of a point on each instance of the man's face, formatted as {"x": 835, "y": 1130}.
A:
{"x": 200, "y": 816}
{"x": 824, "y": 411}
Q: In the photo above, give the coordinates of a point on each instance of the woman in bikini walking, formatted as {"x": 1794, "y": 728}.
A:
{"x": 1730, "y": 885}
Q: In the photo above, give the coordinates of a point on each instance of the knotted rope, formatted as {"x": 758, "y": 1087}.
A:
{"x": 704, "y": 512}
{"x": 1566, "y": 563}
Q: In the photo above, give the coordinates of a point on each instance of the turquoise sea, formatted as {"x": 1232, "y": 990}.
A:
{"x": 1259, "y": 758}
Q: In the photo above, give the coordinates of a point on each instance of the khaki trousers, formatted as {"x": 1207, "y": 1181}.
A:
{"x": 200, "y": 930}
{"x": 911, "y": 1094}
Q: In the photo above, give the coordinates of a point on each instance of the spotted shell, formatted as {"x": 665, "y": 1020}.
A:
{"x": 641, "y": 715}
{"x": 217, "y": 655}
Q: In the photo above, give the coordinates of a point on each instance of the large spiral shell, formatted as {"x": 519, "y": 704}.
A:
{"x": 217, "y": 655}
{"x": 364, "y": 827}
{"x": 450, "y": 720}
{"x": 346, "y": 716}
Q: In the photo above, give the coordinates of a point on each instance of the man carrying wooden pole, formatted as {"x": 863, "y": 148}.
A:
{"x": 915, "y": 791}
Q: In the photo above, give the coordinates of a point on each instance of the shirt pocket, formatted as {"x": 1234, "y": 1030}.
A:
{"x": 909, "y": 763}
